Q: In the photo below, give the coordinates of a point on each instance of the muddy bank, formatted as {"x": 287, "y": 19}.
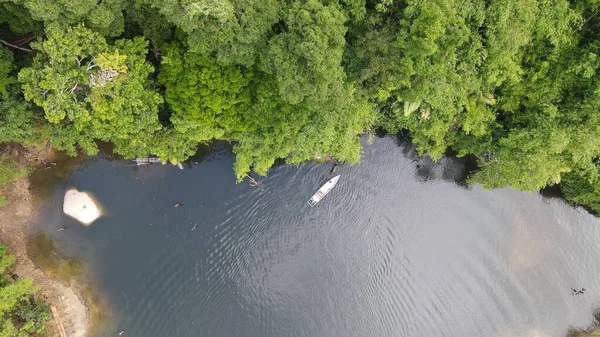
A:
{"x": 15, "y": 218}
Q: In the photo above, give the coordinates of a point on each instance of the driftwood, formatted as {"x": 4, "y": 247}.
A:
{"x": 252, "y": 181}
{"x": 333, "y": 169}
{"x": 59, "y": 324}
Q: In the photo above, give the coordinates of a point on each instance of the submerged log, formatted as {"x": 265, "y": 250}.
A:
{"x": 252, "y": 181}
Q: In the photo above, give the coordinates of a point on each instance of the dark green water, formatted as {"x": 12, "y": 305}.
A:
{"x": 397, "y": 249}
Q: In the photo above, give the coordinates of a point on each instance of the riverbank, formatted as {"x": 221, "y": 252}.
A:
{"x": 15, "y": 217}
{"x": 593, "y": 330}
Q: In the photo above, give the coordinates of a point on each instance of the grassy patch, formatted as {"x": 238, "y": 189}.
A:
{"x": 9, "y": 172}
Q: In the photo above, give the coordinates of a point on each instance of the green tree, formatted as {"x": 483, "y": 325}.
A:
{"x": 16, "y": 117}
{"x": 298, "y": 133}
{"x": 104, "y": 16}
{"x": 92, "y": 91}
{"x": 23, "y": 313}
{"x": 548, "y": 121}
{"x": 484, "y": 78}
{"x": 208, "y": 99}
{"x": 422, "y": 70}
{"x": 233, "y": 31}
{"x": 305, "y": 58}
{"x": 19, "y": 19}
{"x": 301, "y": 108}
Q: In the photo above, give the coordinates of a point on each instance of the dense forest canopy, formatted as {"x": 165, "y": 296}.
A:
{"x": 514, "y": 83}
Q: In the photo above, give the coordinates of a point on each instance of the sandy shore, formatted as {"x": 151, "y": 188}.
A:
{"x": 15, "y": 218}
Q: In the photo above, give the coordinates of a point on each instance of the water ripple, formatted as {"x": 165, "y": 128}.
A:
{"x": 396, "y": 249}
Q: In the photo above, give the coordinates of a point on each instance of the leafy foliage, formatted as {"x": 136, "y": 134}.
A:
{"x": 92, "y": 91}
{"x": 104, "y": 16}
{"x": 22, "y": 312}
{"x": 496, "y": 79}
{"x": 16, "y": 118}
{"x": 233, "y": 31}
{"x": 208, "y": 99}
{"x": 512, "y": 82}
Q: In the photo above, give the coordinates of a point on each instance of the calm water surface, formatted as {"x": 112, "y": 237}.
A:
{"x": 397, "y": 249}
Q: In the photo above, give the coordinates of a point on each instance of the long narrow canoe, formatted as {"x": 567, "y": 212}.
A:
{"x": 322, "y": 192}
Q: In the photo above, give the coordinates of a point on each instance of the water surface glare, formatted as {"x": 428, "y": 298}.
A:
{"x": 392, "y": 251}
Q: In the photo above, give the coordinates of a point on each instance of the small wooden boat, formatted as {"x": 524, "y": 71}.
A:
{"x": 322, "y": 192}
{"x": 146, "y": 160}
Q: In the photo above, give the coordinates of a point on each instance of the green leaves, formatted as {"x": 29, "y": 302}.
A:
{"x": 208, "y": 99}
{"x": 6, "y": 67}
{"x": 299, "y": 132}
{"x": 233, "y": 31}
{"x": 93, "y": 91}
{"x": 22, "y": 313}
{"x": 306, "y": 57}
{"x": 16, "y": 117}
{"x": 495, "y": 79}
{"x": 57, "y": 79}
{"x": 114, "y": 61}
{"x": 104, "y": 16}
{"x": 513, "y": 82}
{"x": 582, "y": 190}
{"x": 6, "y": 261}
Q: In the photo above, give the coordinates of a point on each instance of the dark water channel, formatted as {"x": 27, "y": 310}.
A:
{"x": 395, "y": 250}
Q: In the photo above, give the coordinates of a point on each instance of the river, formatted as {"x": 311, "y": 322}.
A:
{"x": 398, "y": 248}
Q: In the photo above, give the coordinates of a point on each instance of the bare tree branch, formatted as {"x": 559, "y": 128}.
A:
{"x": 91, "y": 65}
{"x": 44, "y": 92}
{"x": 74, "y": 87}
{"x": 156, "y": 51}
{"x": 15, "y": 46}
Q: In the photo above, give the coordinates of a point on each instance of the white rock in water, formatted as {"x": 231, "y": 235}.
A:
{"x": 81, "y": 206}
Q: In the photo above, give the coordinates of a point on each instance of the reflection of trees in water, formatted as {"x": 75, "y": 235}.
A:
{"x": 593, "y": 330}
{"x": 449, "y": 167}
{"x": 59, "y": 165}
{"x": 44, "y": 178}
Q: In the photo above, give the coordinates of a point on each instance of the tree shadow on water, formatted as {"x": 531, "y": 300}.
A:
{"x": 448, "y": 168}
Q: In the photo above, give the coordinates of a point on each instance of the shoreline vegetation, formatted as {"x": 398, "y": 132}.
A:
{"x": 73, "y": 303}
{"x": 23, "y": 311}
{"x": 515, "y": 85}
